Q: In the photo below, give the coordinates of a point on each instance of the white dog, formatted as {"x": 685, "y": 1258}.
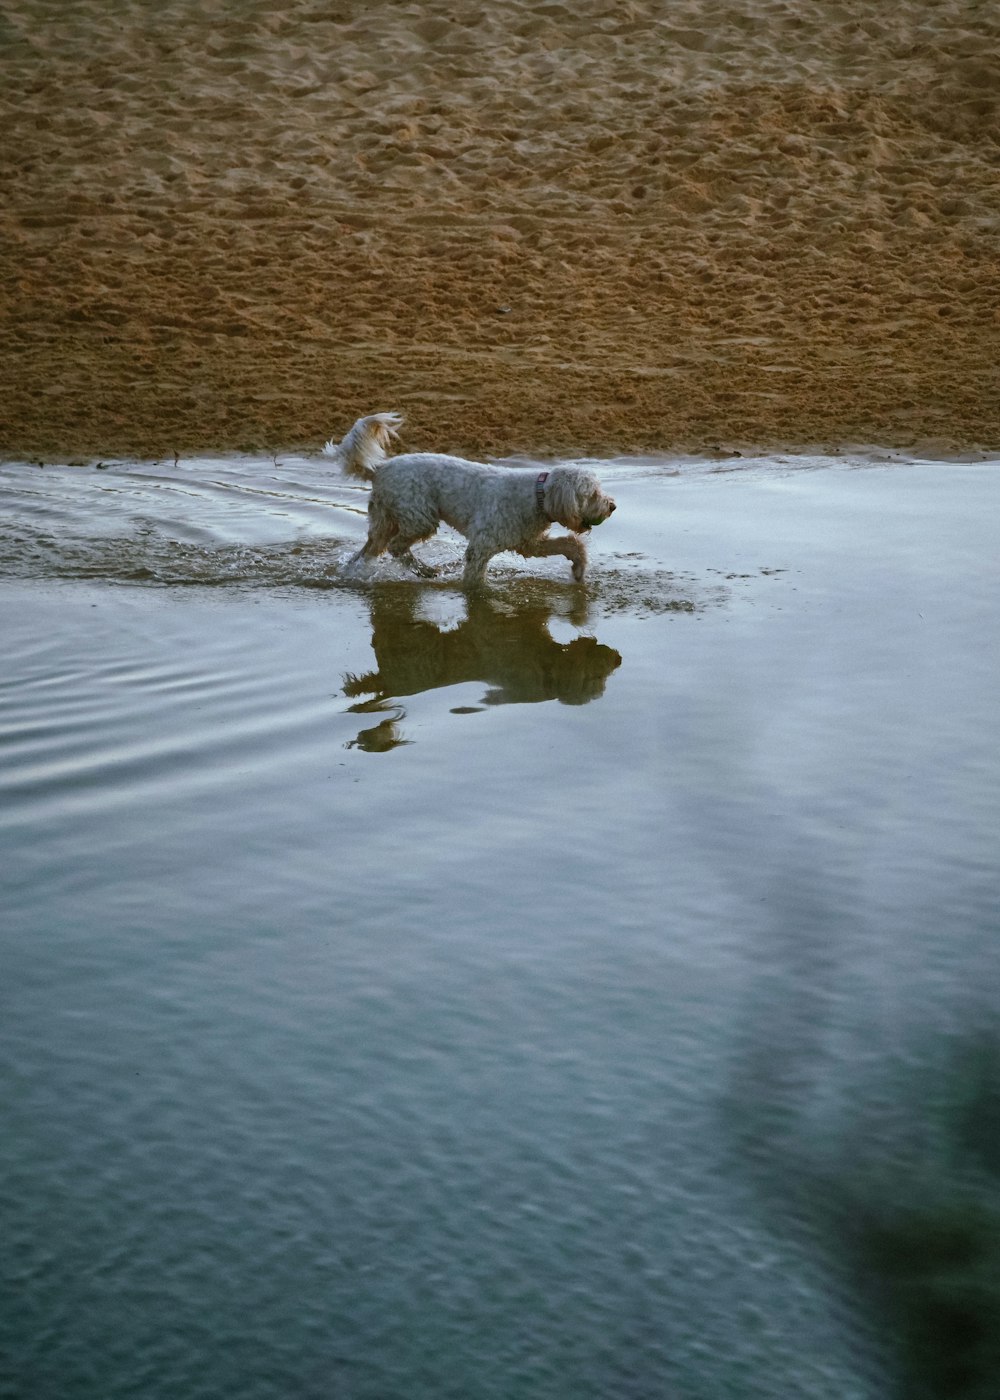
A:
{"x": 496, "y": 508}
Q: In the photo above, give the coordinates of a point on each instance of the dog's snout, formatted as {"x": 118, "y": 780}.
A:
{"x": 611, "y": 506}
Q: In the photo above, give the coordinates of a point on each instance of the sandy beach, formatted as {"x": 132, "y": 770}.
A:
{"x": 535, "y": 226}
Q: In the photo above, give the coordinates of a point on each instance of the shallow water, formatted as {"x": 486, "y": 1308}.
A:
{"x": 575, "y": 993}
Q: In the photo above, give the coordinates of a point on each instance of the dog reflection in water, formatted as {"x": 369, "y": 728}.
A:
{"x": 512, "y": 652}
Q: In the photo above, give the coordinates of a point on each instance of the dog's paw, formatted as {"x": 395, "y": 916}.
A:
{"x": 417, "y": 566}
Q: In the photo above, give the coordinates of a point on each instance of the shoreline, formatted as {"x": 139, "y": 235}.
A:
{"x": 42, "y": 450}
{"x": 867, "y": 453}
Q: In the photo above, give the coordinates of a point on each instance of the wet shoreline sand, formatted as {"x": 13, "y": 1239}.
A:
{"x": 532, "y": 228}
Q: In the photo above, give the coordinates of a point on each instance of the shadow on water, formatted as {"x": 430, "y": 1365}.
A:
{"x": 885, "y": 1157}
{"x": 503, "y": 644}
{"x": 926, "y": 1232}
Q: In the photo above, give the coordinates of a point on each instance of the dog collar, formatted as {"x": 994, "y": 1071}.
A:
{"x": 540, "y": 481}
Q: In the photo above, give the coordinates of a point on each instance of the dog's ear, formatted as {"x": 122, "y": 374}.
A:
{"x": 562, "y": 498}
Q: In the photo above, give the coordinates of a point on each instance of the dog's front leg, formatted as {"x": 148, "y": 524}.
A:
{"x": 477, "y": 556}
{"x": 570, "y": 546}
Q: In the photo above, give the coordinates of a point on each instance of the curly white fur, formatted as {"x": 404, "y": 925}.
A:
{"x": 496, "y": 508}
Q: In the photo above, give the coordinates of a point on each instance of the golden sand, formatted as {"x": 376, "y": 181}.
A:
{"x": 531, "y": 225}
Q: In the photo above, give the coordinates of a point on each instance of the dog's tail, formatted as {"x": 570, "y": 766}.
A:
{"x": 361, "y": 450}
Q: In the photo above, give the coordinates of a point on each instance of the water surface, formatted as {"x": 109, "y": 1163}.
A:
{"x": 563, "y": 993}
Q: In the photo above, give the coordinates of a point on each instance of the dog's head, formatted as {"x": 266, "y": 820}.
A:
{"x": 574, "y": 498}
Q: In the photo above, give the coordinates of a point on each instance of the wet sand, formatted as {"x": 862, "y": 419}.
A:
{"x": 532, "y": 227}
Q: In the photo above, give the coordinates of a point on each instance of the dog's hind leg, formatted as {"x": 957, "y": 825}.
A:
{"x": 382, "y": 529}
{"x": 571, "y": 546}
{"x": 400, "y": 549}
